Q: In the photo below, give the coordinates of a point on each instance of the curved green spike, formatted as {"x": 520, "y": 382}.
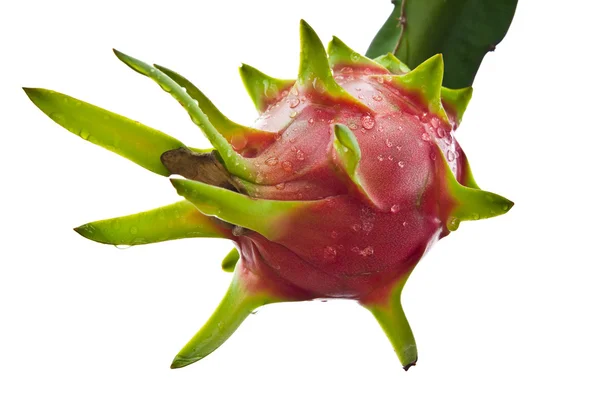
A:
{"x": 176, "y": 221}
{"x": 340, "y": 55}
{"x": 267, "y": 217}
{"x": 228, "y": 128}
{"x": 238, "y": 303}
{"x": 348, "y": 151}
{"x": 263, "y": 89}
{"x": 456, "y": 101}
{"x": 229, "y": 262}
{"x": 314, "y": 73}
{"x": 386, "y": 307}
{"x": 426, "y": 81}
{"x": 123, "y": 136}
{"x": 392, "y": 64}
{"x": 234, "y": 162}
{"x": 471, "y": 203}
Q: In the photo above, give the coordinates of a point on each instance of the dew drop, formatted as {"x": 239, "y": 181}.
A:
{"x": 133, "y": 230}
{"x": 294, "y": 91}
{"x": 280, "y": 186}
{"x": 388, "y": 143}
{"x": 330, "y": 253}
{"x": 432, "y": 155}
{"x": 311, "y": 121}
{"x": 401, "y": 164}
{"x": 451, "y": 156}
{"x": 425, "y": 137}
{"x": 238, "y": 142}
{"x": 453, "y": 223}
{"x": 293, "y": 102}
{"x": 352, "y": 126}
{"x": 367, "y": 251}
{"x": 404, "y": 224}
{"x": 287, "y": 166}
{"x": 346, "y": 70}
{"x": 300, "y": 155}
{"x": 84, "y": 134}
{"x": 293, "y": 114}
{"x": 377, "y": 97}
{"x": 380, "y": 157}
{"x": 380, "y": 79}
{"x": 380, "y": 128}
{"x": 356, "y": 227}
{"x": 367, "y": 122}
{"x": 271, "y": 161}
{"x": 391, "y": 158}
{"x": 395, "y": 208}
{"x": 440, "y": 132}
{"x": 435, "y": 122}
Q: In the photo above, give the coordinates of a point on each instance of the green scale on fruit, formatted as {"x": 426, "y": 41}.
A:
{"x": 349, "y": 176}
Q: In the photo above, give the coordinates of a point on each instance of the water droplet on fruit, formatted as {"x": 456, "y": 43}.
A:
{"x": 300, "y": 155}
{"x": 311, "y": 121}
{"x": 453, "y": 223}
{"x": 334, "y": 234}
{"x": 367, "y": 251}
{"x": 346, "y": 70}
{"x": 352, "y": 126}
{"x": 425, "y": 137}
{"x": 367, "y": 122}
{"x": 395, "y": 208}
{"x": 358, "y": 89}
{"x": 238, "y": 142}
{"x": 84, "y": 134}
{"x": 356, "y": 227}
{"x": 354, "y": 57}
{"x": 380, "y": 128}
{"x": 401, "y": 164}
{"x": 280, "y": 186}
{"x": 271, "y": 161}
{"x": 377, "y": 97}
{"x": 133, "y": 230}
{"x": 440, "y": 133}
{"x": 432, "y": 155}
{"x": 293, "y": 102}
{"x": 451, "y": 155}
{"x": 330, "y": 253}
{"x": 388, "y": 143}
{"x": 294, "y": 91}
{"x": 287, "y": 166}
{"x": 391, "y": 158}
{"x": 380, "y": 157}
{"x": 319, "y": 85}
{"x": 435, "y": 122}
{"x": 380, "y": 79}
{"x": 122, "y": 246}
{"x": 293, "y": 114}
{"x": 405, "y": 224}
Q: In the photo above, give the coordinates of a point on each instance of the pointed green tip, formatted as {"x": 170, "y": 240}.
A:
{"x": 90, "y": 232}
{"x": 180, "y": 362}
{"x": 475, "y": 204}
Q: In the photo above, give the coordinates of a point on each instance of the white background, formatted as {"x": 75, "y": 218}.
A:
{"x": 503, "y": 308}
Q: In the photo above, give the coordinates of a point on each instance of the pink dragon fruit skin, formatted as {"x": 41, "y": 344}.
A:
{"x": 348, "y": 177}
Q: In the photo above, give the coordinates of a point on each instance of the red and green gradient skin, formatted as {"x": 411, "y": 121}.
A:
{"x": 348, "y": 177}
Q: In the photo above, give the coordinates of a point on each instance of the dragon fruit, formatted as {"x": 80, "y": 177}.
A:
{"x": 349, "y": 175}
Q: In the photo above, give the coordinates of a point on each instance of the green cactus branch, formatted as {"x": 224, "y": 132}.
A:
{"x": 464, "y": 31}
